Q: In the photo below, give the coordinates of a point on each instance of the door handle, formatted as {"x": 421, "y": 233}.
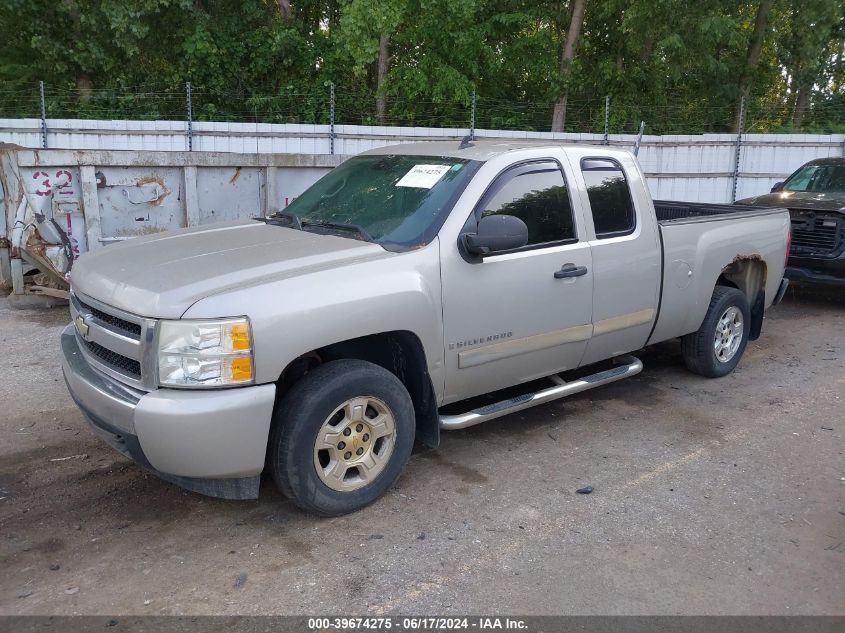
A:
{"x": 570, "y": 270}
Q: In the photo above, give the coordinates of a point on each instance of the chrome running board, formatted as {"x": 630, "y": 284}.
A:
{"x": 630, "y": 367}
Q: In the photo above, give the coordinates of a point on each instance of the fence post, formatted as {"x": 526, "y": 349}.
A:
{"x": 738, "y": 147}
{"x": 472, "y": 119}
{"x": 639, "y": 138}
{"x": 331, "y": 117}
{"x": 606, "y": 116}
{"x": 190, "y": 114}
{"x": 43, "y": 115}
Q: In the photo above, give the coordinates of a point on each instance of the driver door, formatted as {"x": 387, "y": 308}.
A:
{"x": 514, "y": 316}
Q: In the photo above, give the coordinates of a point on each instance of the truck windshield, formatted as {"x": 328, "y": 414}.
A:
{"x": 399, "y": 202}
{"x": 819, "y": 178}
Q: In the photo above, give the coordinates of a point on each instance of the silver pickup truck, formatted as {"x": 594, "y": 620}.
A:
{"x": 413, "y": 289}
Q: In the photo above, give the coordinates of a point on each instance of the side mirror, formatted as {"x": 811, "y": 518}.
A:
{"x": 496, "y": 233}
{"x": 777, "y": 187}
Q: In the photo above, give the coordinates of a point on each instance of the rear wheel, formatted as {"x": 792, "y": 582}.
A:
{"x": 715, "y": 349}
{"x": 341, "y": 436}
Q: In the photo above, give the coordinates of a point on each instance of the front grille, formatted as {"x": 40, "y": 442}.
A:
{"x": 133, "y": 330}
{"x": 113, "y": 341}
{"x": 114, "y": 360}
{"x": 816, "y": 233}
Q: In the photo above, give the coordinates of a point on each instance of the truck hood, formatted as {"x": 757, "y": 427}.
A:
{"x": 161, "y": 276}
{"x": 811, "y": 200}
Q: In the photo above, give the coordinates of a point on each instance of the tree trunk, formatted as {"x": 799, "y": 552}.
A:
{"x": 383, "y": 67}
{"x": 566, "y": 57}
{"x": 802, "y": 104}
{"x": 284, "y": 9}
{"x": 837, "y": 74}
{"x": 755, "y": 46}
{"x": 647, "y": 50}
{"x": 620, "y": 54}
{"x": 84, "y": 87}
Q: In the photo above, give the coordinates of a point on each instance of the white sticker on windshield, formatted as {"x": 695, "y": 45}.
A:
{"x": 423, "y": 176}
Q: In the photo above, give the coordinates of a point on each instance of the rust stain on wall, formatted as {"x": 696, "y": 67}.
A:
{"x": 235, "y": 176}
{"x": 157, "y": 180}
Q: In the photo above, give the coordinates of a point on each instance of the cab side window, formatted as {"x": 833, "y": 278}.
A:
{"x": 537, "y": 195}
{"x": 610, "y": 198}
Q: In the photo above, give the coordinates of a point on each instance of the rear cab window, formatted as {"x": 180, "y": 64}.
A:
{"x": 610, "y": 197}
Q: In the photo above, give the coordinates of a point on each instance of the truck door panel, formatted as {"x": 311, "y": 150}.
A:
{"x": 516, "y": 316}
{"x": 626, "y": 254}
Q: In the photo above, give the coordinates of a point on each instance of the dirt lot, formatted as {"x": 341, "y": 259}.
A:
{"x": 711, "y": 496}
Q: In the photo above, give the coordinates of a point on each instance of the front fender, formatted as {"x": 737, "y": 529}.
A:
{"x": 293, "y": 316}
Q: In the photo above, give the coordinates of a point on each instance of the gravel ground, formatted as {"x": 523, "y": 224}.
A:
{"x": 711, "y": 496}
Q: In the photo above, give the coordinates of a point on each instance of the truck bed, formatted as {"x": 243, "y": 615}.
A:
{"x": 673, "y": 211}
{"x": 701, "y": 242}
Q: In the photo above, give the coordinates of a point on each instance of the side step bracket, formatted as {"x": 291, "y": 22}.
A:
{"x": 628, "y": 366}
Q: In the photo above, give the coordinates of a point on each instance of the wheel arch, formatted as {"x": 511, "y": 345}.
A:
{"x": 400, "y": 352}
{"x": 748, "y": 274}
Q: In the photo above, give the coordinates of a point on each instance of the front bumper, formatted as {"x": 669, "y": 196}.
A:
{"x": 817, "y": 270}
{"x": 212, "y": 442}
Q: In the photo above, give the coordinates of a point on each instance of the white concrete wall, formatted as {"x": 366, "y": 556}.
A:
{"x": 679, "y": 167}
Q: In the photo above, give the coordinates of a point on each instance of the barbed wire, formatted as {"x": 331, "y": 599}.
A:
{"x": 358, "y": 107}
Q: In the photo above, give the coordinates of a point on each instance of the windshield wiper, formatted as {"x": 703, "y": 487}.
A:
{"x": 282, "y": 218}
{"x": 339, "y": 226}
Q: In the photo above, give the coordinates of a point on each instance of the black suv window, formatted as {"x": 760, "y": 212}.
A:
{"x": 536, "y": 194}
{"x": 610, "y": 198}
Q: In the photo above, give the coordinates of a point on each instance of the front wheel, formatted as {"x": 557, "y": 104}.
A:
{"x": 715, "y": 349}
{"x": 341, "y": 436}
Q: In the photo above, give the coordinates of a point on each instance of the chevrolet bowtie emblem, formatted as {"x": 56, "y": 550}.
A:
{"x": 82, "y": 326}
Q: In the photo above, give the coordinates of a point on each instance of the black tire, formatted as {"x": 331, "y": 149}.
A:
{"x": 699, "y": 347}
{"x": 302, "y": 412}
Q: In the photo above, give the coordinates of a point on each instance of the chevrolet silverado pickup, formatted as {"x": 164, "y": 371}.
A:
{"x": 413, "y": 289}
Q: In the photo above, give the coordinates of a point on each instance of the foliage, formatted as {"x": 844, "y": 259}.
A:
{"x": 672, "y": 63}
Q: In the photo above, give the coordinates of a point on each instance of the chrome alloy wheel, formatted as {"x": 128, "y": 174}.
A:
{"x": 355, "y": 443}
{"x": 729, "y": 330}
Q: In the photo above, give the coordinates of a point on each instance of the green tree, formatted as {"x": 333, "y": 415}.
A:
{"x": 681, "y": 66}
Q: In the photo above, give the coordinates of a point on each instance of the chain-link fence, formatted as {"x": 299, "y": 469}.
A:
{"x": 358, "y": 107}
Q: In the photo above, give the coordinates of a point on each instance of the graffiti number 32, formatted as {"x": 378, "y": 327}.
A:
{"x": 63, "y": 179}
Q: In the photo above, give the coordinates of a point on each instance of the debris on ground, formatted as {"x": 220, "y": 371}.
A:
{"x": 64, "y": 459}
{"x": 585, "y": 490}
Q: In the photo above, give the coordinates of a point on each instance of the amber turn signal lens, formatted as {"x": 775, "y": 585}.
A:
{"x": 240, "y": 336}
{"x": 241, "y": 369}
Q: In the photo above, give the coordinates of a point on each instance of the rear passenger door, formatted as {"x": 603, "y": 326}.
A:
{"x": 626, "y": 254}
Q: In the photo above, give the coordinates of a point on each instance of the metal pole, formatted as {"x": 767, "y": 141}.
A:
{"x": 472, "y": 119}
{"x": 43, "y": 115}
{"x": 331, "y": 116}
{"x": 190, "y": 113}
{"x": 639, "y": 138}
{"x": 738, "y": 147}
{"x": 606, "y": 116}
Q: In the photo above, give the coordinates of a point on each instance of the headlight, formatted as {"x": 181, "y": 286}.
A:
{"x": 212, "y": 353}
